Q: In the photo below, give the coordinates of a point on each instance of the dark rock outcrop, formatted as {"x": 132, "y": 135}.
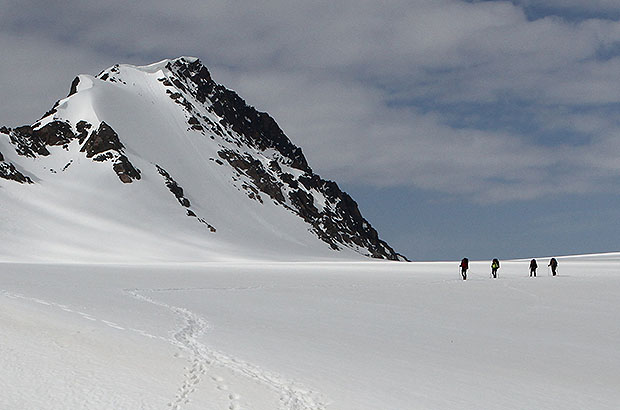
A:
{"x": 74, "y": 86}
{"x": 26, "y": 142}
{"x": 55, "y": 133}
{"x": 339, "y": 222}
{"x": 9, "y": 172}
{"x": 177, "y": 191}
{"x": 175, "y": 188}
{"x": 125, "y": 170}
{"x": 253, "y": 168}
{"x": 258, "y": 129}
{"x": 82, "y": 128}
{"x": 103, "y": 145}
{"x": 104, "y": 139}
{"x": 32, "y": 142}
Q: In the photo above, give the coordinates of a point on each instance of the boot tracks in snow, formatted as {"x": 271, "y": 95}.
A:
{"x": 292, "y": 396}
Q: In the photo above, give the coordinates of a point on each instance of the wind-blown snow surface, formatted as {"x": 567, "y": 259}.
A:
{"x": 305, "y": 336}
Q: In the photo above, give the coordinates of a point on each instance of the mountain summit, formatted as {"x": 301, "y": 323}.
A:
{"x": 160, "y": 163}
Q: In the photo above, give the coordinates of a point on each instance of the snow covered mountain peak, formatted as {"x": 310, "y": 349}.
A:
{"x": 159, "y": 162}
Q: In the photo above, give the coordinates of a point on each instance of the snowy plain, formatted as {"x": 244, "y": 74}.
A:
{"x": 333, "y": 332}
{"x": 315, "y": 335}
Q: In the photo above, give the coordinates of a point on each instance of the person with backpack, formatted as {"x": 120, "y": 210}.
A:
{"x": 494, "y": 268}
{"x": 554, "y": 266}
{"x": 464, "y": 266}
{"x": 533, "y": 267}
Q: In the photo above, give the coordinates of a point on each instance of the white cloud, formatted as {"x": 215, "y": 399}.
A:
{"x": 371, "y": 90}
{"x": 349, "y": 134}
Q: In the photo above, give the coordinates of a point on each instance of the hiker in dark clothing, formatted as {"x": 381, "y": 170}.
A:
{"x": 494, "y": 268}
{"x": 533, "y": 267}
{"x": 464, "y": 266}
{"x": 554, "y": 266}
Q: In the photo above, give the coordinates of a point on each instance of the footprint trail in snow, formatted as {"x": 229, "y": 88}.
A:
{"x": 204, "y": 360}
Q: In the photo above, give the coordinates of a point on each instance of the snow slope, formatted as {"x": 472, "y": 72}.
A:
{"x": 159, "y": 163}
{"x": 305, "y": 336}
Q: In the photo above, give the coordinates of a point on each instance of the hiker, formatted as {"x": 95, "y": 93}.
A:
{"x": 494, "y": 268}
{"x": 464, "y": 266}
{"x": 533, "y": 267}
{"x": 554, "y": 266}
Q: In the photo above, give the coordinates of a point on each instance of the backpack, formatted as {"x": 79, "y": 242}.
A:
{"x": 495, "y": 264}
{"x": 465, "y": 263}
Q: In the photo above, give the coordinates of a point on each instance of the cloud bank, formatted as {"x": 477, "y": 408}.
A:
{"x": 473, "y": 99}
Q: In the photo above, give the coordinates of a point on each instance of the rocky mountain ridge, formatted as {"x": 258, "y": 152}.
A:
{"x": 246, "y": 144}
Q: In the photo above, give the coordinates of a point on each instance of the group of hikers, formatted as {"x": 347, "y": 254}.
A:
{"x": 553, "y": 263}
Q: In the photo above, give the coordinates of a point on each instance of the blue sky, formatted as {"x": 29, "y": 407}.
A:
{"x": 463, "y": 128}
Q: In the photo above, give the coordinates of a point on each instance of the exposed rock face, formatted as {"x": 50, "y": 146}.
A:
{"x": 262, "y": 179}
{"x": 55, "y": 133}
{"x": 338, "y": 223}
{"x": 74, "y": 85}
{"x": 126, "y": 172}
{"x": 82, "y": 127}
{"x": 101, "y": 145}
{"x": 8, "y": 171}
{"x": 177, "y": 191}
{"x": 26, "y": 142}
{"x": 256, "y": 128}
{"x": 105, "y": 140}
{"x": 32, "y": 142}
{"x": 172, "y": 185}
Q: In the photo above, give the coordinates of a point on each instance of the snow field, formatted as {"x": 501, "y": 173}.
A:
{"x": 305, "y": 336}
{"x": 79, "y": 211}
{"x": 56, "y": 358}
